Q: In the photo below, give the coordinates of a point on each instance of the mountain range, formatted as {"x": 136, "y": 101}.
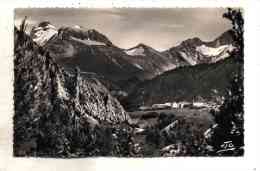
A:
{"x": 74, "y": 88}
{"x": 141, "y": 74}
{"x": 92, "y": 51}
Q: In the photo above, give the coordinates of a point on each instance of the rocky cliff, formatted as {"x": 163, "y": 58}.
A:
{"x": 57, "y": 112}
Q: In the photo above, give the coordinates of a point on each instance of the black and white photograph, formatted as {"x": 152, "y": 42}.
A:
{"x": 128, "y": 82}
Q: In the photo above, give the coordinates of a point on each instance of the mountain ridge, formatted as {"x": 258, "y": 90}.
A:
{"x": 186, "y": 53}
{"x": 187, "y": 83}
{"x": 87, "y": 49}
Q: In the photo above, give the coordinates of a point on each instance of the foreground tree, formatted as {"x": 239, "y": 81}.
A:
{"x": 58, "y": 113}
{"x": 226, "y": 137}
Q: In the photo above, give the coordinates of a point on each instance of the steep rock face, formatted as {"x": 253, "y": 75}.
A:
{"x": 56, "y": 111}
{"x": 42, "y": 69}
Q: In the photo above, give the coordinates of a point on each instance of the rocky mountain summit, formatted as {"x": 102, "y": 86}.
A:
{"x": 43, "y": 33}
{"x": 195, "y": 51}
{"x": 78, "y": 47}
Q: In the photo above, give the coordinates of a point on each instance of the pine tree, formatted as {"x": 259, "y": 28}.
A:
{"x": 230, "y": 118}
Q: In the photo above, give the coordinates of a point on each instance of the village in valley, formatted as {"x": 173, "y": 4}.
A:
{"x": 79, "y": 91}
{"x": 184, "y": 104}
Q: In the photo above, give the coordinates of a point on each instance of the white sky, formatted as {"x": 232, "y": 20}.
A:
{"x": 126, "y": 27}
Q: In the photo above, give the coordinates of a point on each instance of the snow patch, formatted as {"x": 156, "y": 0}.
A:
{"x": 43, "y": 34}
{"x": 169, "y": 67}
{"x": 61, "y": 92}
{"x": 139, "y": 66}
{"x": 189, "y": 60}
{"x": 210, "y": 51}
{"x": 88, "y": 41}
{"x": 77, "y": 27}
{"x": 139, "y": 51}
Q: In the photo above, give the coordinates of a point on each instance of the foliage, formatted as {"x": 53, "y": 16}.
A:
{"x": 50, "y": 119}
{"x": 230, "y": 118}
{"x": 186, "y": 137}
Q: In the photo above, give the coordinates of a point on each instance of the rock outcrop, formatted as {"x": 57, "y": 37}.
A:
{"x": 57, "y": 112}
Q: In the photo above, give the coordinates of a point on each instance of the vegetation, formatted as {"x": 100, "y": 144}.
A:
{"x": 230, "y": 117}
{"x": 184, "y": 84}
{"x": 185, "y": 137}
{"x": 61, "y": 114}
{"x": 52, "y": 118}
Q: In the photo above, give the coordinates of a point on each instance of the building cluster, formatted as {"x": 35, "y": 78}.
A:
{"x": 181, "y": 105}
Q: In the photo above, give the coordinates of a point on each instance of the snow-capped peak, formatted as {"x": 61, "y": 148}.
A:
{"x": 77, "y": 27}
{"x": 137, "y": 51}
{"x": 217, "y": 53}
{"x": 211, "y": 51}
{"x": 43, "y": 32}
